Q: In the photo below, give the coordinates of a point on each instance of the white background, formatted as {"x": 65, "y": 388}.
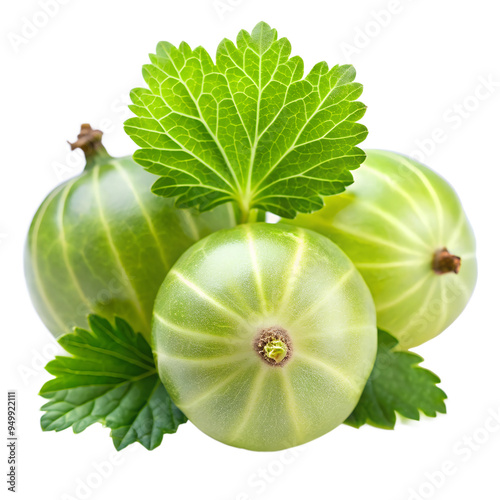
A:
{"x": 419, "y": 64}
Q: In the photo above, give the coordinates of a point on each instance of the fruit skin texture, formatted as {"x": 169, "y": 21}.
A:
{"x": 103, "y": 243}
{"x": 390, "y": 222}
{"x": 232, "y": 285}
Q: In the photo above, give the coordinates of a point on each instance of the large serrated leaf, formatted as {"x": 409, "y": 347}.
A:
{"x": 249, "y": 128}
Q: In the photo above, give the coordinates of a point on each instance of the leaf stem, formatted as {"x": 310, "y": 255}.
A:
{"x": 248, "y": 216}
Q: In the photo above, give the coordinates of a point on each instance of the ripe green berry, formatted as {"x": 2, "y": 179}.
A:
{"x": 102, "y": 243}
{"x": 405, "y": 230}
{"x": 264, "y": 335}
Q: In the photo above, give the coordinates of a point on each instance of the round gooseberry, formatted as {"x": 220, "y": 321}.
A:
{"x": 264, "y": 335}
{"x": 405, "y": 229}
{"x": 102, "y": 242}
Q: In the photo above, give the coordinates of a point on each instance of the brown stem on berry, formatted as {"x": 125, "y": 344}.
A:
{"x": 273, "y": 345}
{"x": 445, "y": 262}
{"x": 90, "y": 142}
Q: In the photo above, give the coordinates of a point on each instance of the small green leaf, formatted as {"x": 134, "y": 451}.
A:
{"x": 397, "y": 384}
{"x": 111, "y": 378}
{"x": 249, "y": 128}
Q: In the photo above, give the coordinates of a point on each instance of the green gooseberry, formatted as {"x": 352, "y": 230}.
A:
{"x": 406, "y": 231}
{"x": 102, "y": 243}
{"x": 264, "y": 335}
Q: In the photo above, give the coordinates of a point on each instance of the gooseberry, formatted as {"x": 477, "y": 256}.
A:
{"x": 102, "y": 243}
{"x": 264, "y": 335}
{"x": 404, "y": 228}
